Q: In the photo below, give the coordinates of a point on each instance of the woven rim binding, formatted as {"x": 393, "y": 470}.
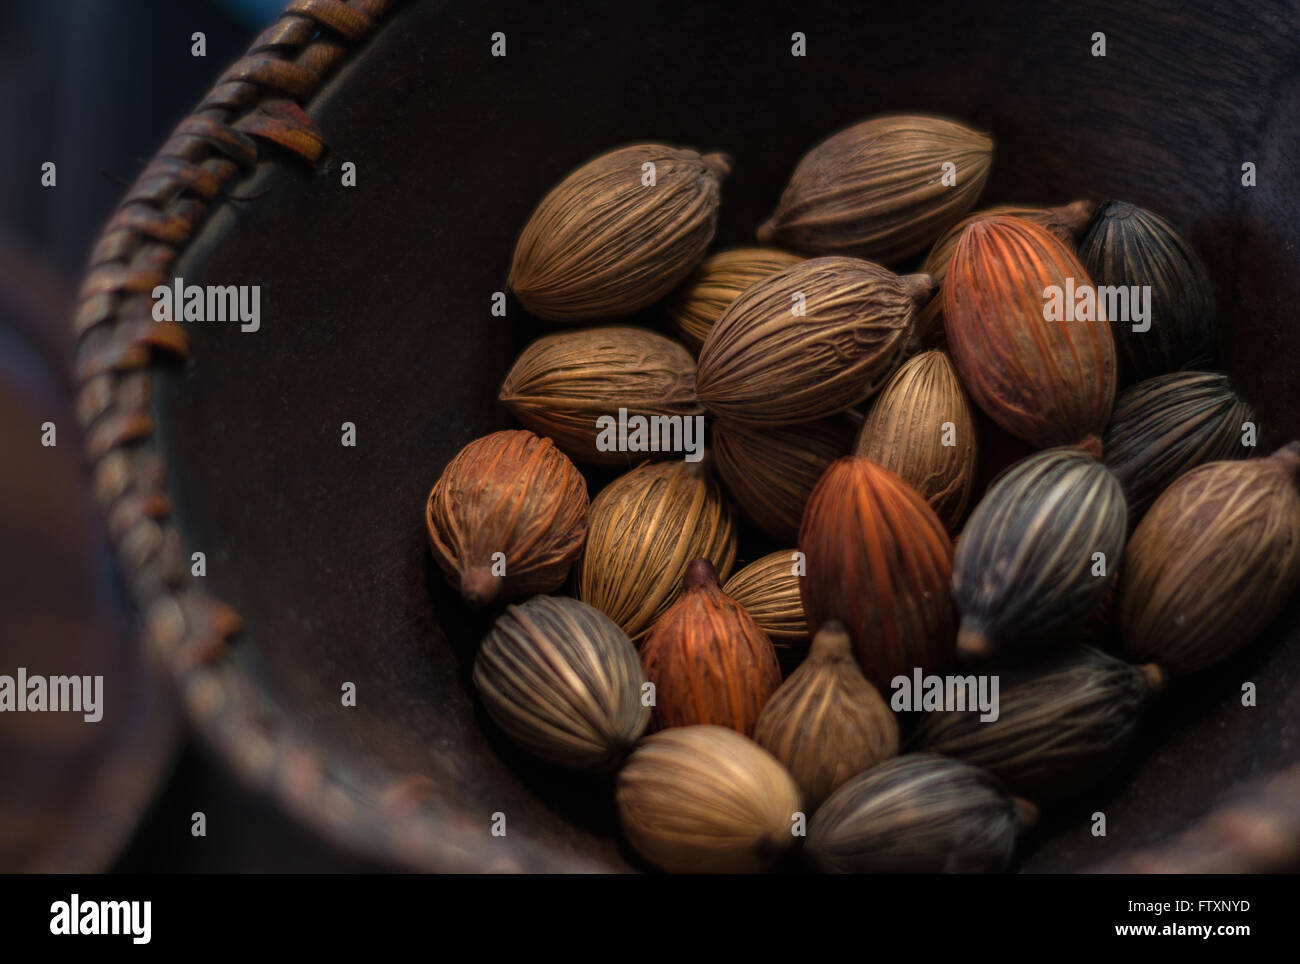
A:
{"x": 259, "y": 99}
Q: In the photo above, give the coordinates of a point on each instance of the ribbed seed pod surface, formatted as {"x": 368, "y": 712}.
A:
{"x": 1127, "y": 246}
{"x": 1063, "y": 722}
{"x": 1027, "y": 573}
{"x": 768, "y": 588}
{"x": 808, "y": 342}
{"x": 618, "y": 233}
{"x": 921, "y": 427}
{"x": 1047, "y": 382}
{"x": 880, "y": 189}
{"x": 704, "y": 799}
{"x": 1213, "y": 562}
{"x": 643, "y": 529}
{"x": 562, "y": 384}
{"x": 564, "y": 682}
{"x": 880, "y": 562}
{"x": 1065, "y": 222}
{"x": 917, "y": 814}
{"x": 1165, "y": 426}
{"x": 697, "y": 305}
{"x": 770, "y": 472}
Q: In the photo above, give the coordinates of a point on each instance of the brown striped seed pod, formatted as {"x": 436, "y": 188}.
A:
{"x": 879, "y": 561}
{"x": 918, "y": 813}
{"x": 697, "y": 305}
{"x": 570, "y": 386}
{"x": 1212, "y": 562}
{"x": 564, "y": 682}
{"x": 920, "y": 426}
{"x": 1049, "y": 382}
{"x": 1062, "y": 722}
{"x": 770, "y": 472}
{"x": 618, "y": 233}
{"x": 507, "y": 517}
{"x": 768, "y": 588}
{"x": 644, "y": 528}
{"x": 808, "y": 342}
{"x": 704, "y": 799}
{"x": 1127, "y": 249}
{"x": 707, "y": 658}
{"x": 1168, "y": 425}
{"x": 882, "y": 189}
{"x": 826, "y": 723}
{"x": 1038, "y": 553}
{"x": 1066, "y": 223}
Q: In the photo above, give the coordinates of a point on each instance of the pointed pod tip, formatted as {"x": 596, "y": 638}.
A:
{"x": 480, "y": 587}
{"x": 1155, "y": 676}
{"x": 832, "y": 641}
{"x": 1026, "y": 812}
{"x": 699, "y": 574}
{"x": 973, "y": 645}
{"x": 719, "y": 164}
{"x": 766, "y": 233}
{"x": 1289, "y": 457}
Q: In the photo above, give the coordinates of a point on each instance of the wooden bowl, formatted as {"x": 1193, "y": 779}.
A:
{"x": 375, "y": 310}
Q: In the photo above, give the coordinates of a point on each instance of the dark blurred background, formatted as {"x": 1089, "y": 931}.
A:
{"x": 95, "y": 86}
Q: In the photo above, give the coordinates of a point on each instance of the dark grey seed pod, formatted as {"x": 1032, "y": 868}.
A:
{"x": 1062, "y": 722}
{"x": 564, "y": 682}
{"x": 1027, "y": 570}
{"x": 919, "y": 813}
{"x": 1164, "y": 426}
{"x": 1125, "y": 245}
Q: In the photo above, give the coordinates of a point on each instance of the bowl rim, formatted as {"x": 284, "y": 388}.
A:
{"x": 371, "y": 811}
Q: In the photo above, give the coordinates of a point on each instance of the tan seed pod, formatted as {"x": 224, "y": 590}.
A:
{"x": 514, "y": 494}
{"x": 880, "y": 190}
{"x": 920, "y": 426}
{"x": 808, "y": 342}
{"x": 1066, "y": 223}
{"x": 1213, "y": 562}
{"x": 618, "y": 233}
{"x": 707, "y": 658}
{"x": 770, "y": 472}
{"x": 1063, "y": 723}
{"x": 564, "y": 384}
{"x": 704, "y": 799}
{"x": 918, "y": 814}
{"x": 564, "y": 682}
{"x": 1048, "y": 382}
{"x": 768, "y": 588}
{"x": 826, "y": 723}
{"x": 643, "y": 529}
{"x": 697, "y": 305}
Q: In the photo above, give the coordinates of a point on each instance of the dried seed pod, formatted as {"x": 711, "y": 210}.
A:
{"x": 564, "y": 682}
{"x": 618, "y": 233}
{"x": 918, "y": 813}
{"x": 698, "y": 304}
{"x": 1063, "y": 723}
{"x": 808, "y": 342}
{"x": 707, "y": 658}
{"x": 1047, "y": 382}
{"x": 1167, "y": 425}
{"x": 920, "y": 426}
{"x": 1213, "y": 562}
{"x": 879, "y": 561}
{"x": 1037, "y": 555}
{"x": 643, "y": 530}
{"x": 826, "y": 723}
{"x": 563, "y": 384}
{"x": 879, "y": 189}
{"x": 510, "y": 493}
{"x": 768, "y": 588}
{"x": 770, "y": 472}
{"x": 1066, "y": 223}
{"x": 704, "y": 799}
{"x": 1125, "y": 247}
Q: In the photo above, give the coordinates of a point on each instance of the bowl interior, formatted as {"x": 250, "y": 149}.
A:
{"x": 375, "y": 304}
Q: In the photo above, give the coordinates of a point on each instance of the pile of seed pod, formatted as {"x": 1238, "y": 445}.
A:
{"x": 779, "y": 713}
